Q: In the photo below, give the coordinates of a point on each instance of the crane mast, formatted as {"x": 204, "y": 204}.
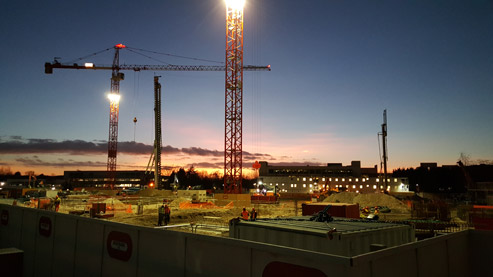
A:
{"x": 116, "y": 77}
{"x": 233, "y": 99}
{"x": 158, "y": 139}
{"x": 384, "y": 146}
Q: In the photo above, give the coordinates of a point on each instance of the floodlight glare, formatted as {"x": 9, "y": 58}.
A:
{"x": 235, "y": 4}
{"x": 114, "y": 98}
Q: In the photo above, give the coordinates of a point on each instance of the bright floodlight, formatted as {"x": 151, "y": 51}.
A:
{"x": 235, "y": 4}
{"x": 114, "y": 98}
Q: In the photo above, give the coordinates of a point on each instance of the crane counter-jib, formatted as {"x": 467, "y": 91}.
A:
{"x": 50, "y": 66}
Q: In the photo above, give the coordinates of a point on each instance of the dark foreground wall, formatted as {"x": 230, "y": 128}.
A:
{"x": 66, "y": 245}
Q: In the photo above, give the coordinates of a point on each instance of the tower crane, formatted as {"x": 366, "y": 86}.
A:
{"x": 117, "y": 76}
{"x": 233, "y": 129}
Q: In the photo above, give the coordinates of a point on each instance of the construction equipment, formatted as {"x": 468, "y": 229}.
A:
{"x": 155, "y": 159}
{"x": 117, "y": 76}
{"x": 384, "y": 149}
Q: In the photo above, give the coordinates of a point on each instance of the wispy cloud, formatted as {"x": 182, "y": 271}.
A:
{"x": 59, "y": 163}
{"x": 19, "y": 145}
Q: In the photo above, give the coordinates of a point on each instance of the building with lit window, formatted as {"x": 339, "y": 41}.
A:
{"x": 334, "y": 176}
{"x": 124, "y": 179}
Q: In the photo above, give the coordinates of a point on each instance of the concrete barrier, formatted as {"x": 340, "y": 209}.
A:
{"x": 57, "y": 244}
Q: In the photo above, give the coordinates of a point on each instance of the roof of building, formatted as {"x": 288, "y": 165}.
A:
{"x": 303, "y": 224}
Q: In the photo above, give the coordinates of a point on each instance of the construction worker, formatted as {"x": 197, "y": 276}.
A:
{"x": 375, "y": 213}
{"x": 167, "y": 214}
{"x": 57, "y": 202}
{"x": 253, "y": 214}
{"x": 244, "y": 214}
{"x": 366, "y": 210}
{"x": 161, "y": 211}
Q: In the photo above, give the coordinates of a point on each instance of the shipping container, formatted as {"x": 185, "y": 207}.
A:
{"x": 342, "y": 237}
{"x": 336, "y": 209}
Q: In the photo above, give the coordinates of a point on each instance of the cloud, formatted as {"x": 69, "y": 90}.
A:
{"x": 297, "y": 164}
{"x": 206, "y": 165}
{"x": 59, "y": 163}
{"x": 19, "y": 145}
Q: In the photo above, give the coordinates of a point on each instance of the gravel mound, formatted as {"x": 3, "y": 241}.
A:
{"x": 370, "y": 200}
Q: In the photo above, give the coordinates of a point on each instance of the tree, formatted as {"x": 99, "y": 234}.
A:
{"x": 5, "y": 170}
{"x": 465, "y": 158}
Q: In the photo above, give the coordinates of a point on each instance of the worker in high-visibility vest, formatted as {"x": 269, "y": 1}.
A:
{"x": 245, "y": 214}
{"x": 167, "y": 214}
{"x": 57, "y": 203}
{"x": 253, "y": 214}
{"x": 161, "y": 211}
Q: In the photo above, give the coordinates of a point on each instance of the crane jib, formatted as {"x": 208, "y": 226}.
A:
{"x": 50, "y": 66}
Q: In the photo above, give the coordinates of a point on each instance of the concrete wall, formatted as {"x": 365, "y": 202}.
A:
{"x": 65, "y": 245}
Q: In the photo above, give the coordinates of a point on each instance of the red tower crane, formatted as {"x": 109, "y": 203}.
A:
{"x": 233, "y": 145}
{"x": 114, "y": 97}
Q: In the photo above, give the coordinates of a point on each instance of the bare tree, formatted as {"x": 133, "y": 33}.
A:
{"x": 465, "y": 158}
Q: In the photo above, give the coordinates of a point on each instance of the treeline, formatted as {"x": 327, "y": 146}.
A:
{"x": 192, "y": 179}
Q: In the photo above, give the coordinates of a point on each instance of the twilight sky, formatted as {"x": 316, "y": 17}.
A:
{"x": 336, "y": 65}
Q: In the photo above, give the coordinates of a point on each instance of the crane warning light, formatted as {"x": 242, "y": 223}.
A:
{"x": 235, "y": 4}
{"x": 89, "y": 65}
{"x": 120, "y": 45}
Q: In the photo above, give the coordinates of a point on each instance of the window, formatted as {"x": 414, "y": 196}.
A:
{"x": 310, "y": 179}
{"x": 304, "y": 178}
{"x": 304, "y": 185}
{"x": 323, "y": 179}
{"x": 378, "y": 180}
{"x": 356, "y": 179}
{"x": 343, "y": 179}
{"x": 395, "y": 180}
{"x": 337, "y": 179}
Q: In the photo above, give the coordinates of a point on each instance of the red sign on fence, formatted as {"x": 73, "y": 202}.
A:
{"x": 119, "y": 245}
{"x": 4, "y": 217}
{"x": 45, "y": 226}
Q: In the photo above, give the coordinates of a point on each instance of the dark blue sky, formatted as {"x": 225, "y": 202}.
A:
{"x": 336, "y": 65}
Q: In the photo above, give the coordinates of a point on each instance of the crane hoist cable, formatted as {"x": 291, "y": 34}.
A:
{"x": 149, "y": 57}
{"x": 173, "y": 55}
{"x": 91, "y": 55}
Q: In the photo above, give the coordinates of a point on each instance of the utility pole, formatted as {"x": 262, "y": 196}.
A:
{"x": 384, "y": 146}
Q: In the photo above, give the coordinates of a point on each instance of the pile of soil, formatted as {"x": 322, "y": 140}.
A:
{"x": 370, "y": 200}
{"x": 155, "y": 193}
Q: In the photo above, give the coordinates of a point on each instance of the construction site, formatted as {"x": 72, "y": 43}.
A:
{"x": 360, "y": 223}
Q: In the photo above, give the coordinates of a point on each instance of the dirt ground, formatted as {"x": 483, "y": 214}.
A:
{"x": 125, "y": 209}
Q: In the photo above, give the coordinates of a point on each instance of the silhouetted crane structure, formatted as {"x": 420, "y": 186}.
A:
{"x": 155, "y": 159}
{"x": 384, "y": 157}
{"x": 233, "y": 144}
{"x": 117, "y": 76}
